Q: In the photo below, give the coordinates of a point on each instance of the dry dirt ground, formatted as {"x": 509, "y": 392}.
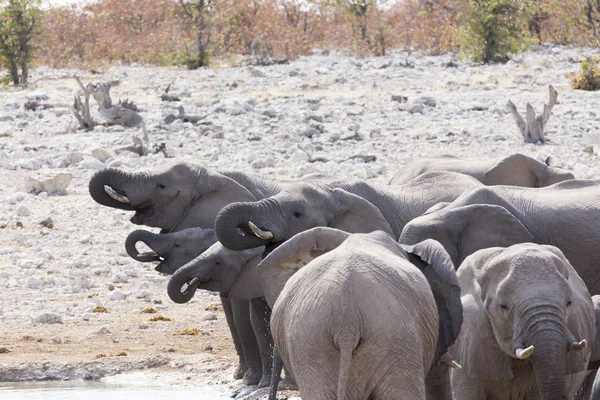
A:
{"x": 327, "y": 113}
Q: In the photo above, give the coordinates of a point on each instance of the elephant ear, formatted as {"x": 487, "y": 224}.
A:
{"x": 431, "y": 258}
{"x": 439, "y": 206}
{"x": 220, "y": 191}
{"x": 476, "y": 348}
{"x": 355, "y": 214}
{"x": 464, "y": 230}
{"x": 582, "y": 322}
{"x": 283, "y": 262}
{"x": 517, "y": 170}
{"x": 595, "y": 358}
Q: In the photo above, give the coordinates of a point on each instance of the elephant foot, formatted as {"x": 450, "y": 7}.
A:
{"x": 287, "y": 383}
{"x": 240, "y": 370}
{"x": 264, "y": 381}
{"x": 252, "y": 376}
{"x": 242, "y": 392}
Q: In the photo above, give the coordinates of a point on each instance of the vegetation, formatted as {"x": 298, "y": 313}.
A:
{"x": 99, "y": 309}
{"x": 588, "y": 77}
{"x": 187, "y": 332}
{"x": 193, "y": 33}
{"x": 18, "y": 22}
{"x": 158, "y": 318}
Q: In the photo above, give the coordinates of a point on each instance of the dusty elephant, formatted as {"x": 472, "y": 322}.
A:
{"x": 527, "y": 320}
{"x": 331, "y": 327}
{"x": 516, "y": 170}
{"x": 352, "y": 206}
{"x": 564, "y": 215}
{"x": 173, "y": 250}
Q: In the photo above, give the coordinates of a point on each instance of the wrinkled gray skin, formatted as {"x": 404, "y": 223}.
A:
{"x": 218, "y": 269}
{"x": 564, "y": 215}
{"x": 513, "y": 298}
{"x": 174, "y": 250}
{"x": 352, "y": 206}
{"x": 179, "y": 195}
{"x": 330, "y": 327}
{"x": 515, "y": 170}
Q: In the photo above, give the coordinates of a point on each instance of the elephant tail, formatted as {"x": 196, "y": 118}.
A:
{"x": 346, "y": 344}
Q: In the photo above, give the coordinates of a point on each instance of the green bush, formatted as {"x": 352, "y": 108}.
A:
{"x": 18, "y": 23}
{"x": 588, "y": 77}
{"x": 494, "y": 28}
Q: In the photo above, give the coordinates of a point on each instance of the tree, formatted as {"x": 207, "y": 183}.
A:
{"x": 18, "y": 22}
{"x": 200, "y": 13}
{"x": 495, "y": 28}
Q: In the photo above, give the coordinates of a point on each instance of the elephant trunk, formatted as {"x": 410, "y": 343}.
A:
{"x": 184, "y": 282}
{"x": 107, "y": 188}
{"x": 548, "y": 336}
{"x": 237, "y": 226}
{"x": 146, "y": 237}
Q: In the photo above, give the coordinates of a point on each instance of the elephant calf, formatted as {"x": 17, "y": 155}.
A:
{"x": 527, "y": 319}
{"x": 361, "y": 321}
{"x": 174, "y": 250}
{"x": 516, "y": 170}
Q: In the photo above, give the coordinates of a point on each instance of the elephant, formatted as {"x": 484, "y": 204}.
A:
{"x": 527, "y": 319}
{"x": 352, "y": 206}
{"x": 182, "y": 195}
{"x": 516, "y": 170}
{"x": 218, "y": 269}
{"x": 563, "y": 215}
{"x": 363, "y": 318}
{"x": 174, "y": 250}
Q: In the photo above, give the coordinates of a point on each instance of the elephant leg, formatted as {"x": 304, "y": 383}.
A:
{"x": 242, "y": 365}
{"x": 438, "y": 383}
{"x": 260, "y": 314}
{"x": 245, "y": 332}
{"x": 288, "y": 382}
{"x": 276, "y": 373}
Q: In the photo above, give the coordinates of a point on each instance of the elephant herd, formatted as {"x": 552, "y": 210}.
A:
{"x": 460, "y": 279}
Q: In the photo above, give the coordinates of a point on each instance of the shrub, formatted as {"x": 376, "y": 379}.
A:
{"x": 494, "y": 28}
{"x": 18, "y": 23}
{"x": 588, "y": 77}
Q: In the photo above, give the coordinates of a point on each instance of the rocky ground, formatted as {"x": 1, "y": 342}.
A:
{"x": 62, "y": 257}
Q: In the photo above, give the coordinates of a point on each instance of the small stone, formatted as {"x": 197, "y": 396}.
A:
{"x": 30, "y": 164}
{"x": 426, "y": 100}
{"x": 91, "y": 163}
{"x": 399, "y": 98}
{"x": 117, "y": 296}
{"x": 47, "y": 223}
{"x": 86, "y": 317}
{"x": 48, "y": 318}
{"x": 208, "y": 347}
{"x": 23, "y": 211}
{"x": 143, "y": 326}
{"x": 417, "y": 108}
{"x": 270, "y": 113}
{"x": 102, "y": 155}
{"x": 208, "y": 316}
{"x": 309, "y": 131}
{"x": 56, "y": 340}
{"x": 119, "y": 278}
{"x": 255, "y": 72}
{"x": 57, "y": 184}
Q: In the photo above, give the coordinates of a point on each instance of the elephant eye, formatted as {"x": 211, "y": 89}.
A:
{"x": 176, "y": 245}
{"x": 569, "y": 303}
{"x": 160, "y": 186}
{"x": 504, "y": 306}
{"x": 297, "y": 214}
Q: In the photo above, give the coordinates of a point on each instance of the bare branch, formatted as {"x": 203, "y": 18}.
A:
{"x": 518, "y": 119}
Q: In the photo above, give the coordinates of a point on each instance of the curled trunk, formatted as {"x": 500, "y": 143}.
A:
{"x": 114, "y": 178}
{"x": 232, "y": 226}
{"x": 146, "y": 237}
{"x": 179, "y": 288}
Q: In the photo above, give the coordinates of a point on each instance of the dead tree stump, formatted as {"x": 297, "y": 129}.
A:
{"x": 533, "y": 127}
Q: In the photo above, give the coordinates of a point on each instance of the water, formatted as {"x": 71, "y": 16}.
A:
{"x": 77, "y": 390}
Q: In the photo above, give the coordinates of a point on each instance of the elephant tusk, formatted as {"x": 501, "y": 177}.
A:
{"x": 578, "y": 346}
{"x": 452, "y": 364}
{"x": 265, "y": 235}
{"x": 523, "y": 354}
{"x": 110, "y": 191}
{"x": 194, "y": 282}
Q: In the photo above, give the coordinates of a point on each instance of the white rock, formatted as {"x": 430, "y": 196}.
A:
{"x": 91, "y": 163}
{"x": 58, "y": 184}
{"x": 23, "y": 211}
{"x": 56, "y": 340}
{"x": 102, "y": 155}
{"x": 208, "y": 316}
{"x": 34, "y": 283}
{"x": 6, "y": 162}
{"x": 119, "y": 278}
{"x": 48, "y": 318}
{"x": 116, "y": 295}
{"x": 30, "y": 164}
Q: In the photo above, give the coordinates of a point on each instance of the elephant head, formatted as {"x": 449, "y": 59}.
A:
{"x": 218, "y": 270}
{"x": 524, "y": 302}
{"x": 296, "y": 209}
{"x": 520, "y": 170}
{"x": 466, "y": 229}
{"x": 173, "y": 250}
{"x": 164, "y": 198}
